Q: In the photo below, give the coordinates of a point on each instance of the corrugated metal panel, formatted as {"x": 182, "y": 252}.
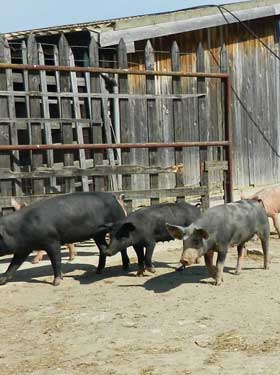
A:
{"x": 155, "y": 25}
{"x": 170, "y": 28}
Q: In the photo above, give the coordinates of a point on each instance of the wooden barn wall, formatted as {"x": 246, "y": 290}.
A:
{"x": 255, "y": 88}
{"x": 66, "y": 109}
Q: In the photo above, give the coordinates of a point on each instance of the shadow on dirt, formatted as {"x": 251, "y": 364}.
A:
{"x": 193, "y": 275}
{"x": 159, "y": 284}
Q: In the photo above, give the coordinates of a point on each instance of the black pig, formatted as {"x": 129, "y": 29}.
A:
{"x": 146, "y": 226}
{"x": 52, "y": 222}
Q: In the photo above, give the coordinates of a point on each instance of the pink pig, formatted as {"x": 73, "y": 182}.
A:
{"x": 271, "y": 200}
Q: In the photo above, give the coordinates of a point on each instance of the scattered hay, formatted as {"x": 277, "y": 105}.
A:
{"x": 270, "y": 345}
{"x": 229, "y": 342}
{"x": 254, "y": 254}
{"x": 232, "y": 341}
{"x": 148, "y": 371}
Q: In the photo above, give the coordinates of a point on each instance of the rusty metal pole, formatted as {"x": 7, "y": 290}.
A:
{"x": 83, "y": 69}
{"x": 101, "y": 146}
{"x": 228, "y": 129}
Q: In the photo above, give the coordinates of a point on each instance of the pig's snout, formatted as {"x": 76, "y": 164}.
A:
{"x": 184, "y": 262}
{"x": 189, "y": 257}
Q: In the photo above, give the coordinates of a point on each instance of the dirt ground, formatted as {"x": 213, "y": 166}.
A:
{"x": 167, "y": 323}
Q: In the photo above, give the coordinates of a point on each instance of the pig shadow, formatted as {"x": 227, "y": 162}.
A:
{"x": 89, "y": 276}
{"x": 64, "y": 255}
{"x": 115, "y": 271}
{"x": 193, "y": 275}
{"x": 32, "y": 274}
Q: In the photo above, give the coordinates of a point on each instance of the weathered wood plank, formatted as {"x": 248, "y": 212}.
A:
{"x": 126, "y": 118}
{"x": 108, "y": 135}
{"x": 106, "y": 95}
{"x": 5, "y": 160}
{"x": 152, "y": 112}
{"x": 35, "y": 111}
{"x": 129, "y": 195}
{"x": 46, "y": 115}
{"x": 77, "y": 112}
{"x": 177, "y": 108}
{"x": 66, "y": 108}
{"x": 103, "y": 170}
{"x": 12, "y": 117}
{"x": 96, "y": 111}
{"x": 202, "y": 123}
{"x": 166, "y": 156}
{"x": 139, "y": 134}
{"x": 216, "y": 164}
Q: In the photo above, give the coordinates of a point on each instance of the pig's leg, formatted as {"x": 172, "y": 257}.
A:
{"x": 276, "y": 223}
{"x": 141, "y": 259}
{"x": 16, "y": 262}
{"x": 54, "y": 253}
{"x": 72, "y": 251}
{"x": 101, "y": 244}
{"x": 220, "y": 265}
{"x": 148, "y": 258}
{"x": 125, "y": 260}
{"x": 38, "y": 257}
{"x": 102, "y": 257}
{"x": 240, "y": 249}
{"x": 208, "y": 257}
{"x": 264, "y": 241}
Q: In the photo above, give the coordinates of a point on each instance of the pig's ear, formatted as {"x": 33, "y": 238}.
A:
{"x": 104, "y": 229}
{"x": 202, "y": 233}
{"x": 176, "y": 231}
{"x": 125, "y": 229}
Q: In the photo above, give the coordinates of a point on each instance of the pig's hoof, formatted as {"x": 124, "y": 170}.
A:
{"x": 180, "y": 268}
{"x": 150, "y": 269}
{"x": 126, "y": 267}
{"x": 218, "y": 282}
{"x": 140, "y": 273}
{"x": 57, "y": 280}
{"x": 3, "y": 280}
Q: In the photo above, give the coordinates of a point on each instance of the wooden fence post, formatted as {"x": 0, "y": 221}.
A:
{"x": 166, "y": 132}
{"x": 96, "y": 112}
{"x": 35, "y": 111}
{"x": 125, "y": 112}
{"x": 79, "y": 126}
{"x": 202, "y": 123}
{"x": 177, "y": 112}
{"x": 66, "y": 109}
{"x": 5, "y": 160}
{"x": 46, "y": 115}
{"x": 12, "y": 115}
{"x": 152, "y": 115}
